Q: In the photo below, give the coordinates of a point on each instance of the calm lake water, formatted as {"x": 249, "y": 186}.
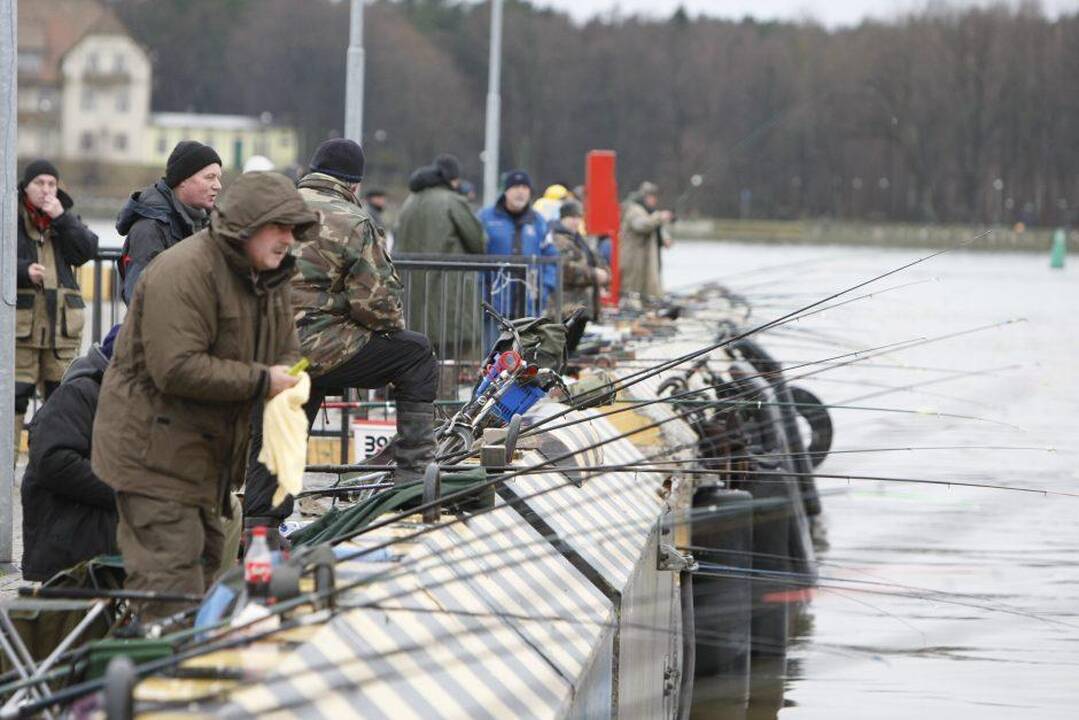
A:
{"x": 974, "y": 610}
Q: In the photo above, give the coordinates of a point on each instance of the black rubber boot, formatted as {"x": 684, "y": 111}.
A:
{"x": 415, "y": 444}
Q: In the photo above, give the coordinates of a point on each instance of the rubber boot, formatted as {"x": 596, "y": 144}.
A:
{"x": 415, "y": 445}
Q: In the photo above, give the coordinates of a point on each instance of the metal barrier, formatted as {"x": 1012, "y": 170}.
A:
{"x": 105, "y": 293}
{"x": 443, "y": 300}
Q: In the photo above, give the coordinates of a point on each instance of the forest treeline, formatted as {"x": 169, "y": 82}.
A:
{"x": 943, "y": 115}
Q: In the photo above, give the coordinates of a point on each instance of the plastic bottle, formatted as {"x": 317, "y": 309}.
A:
{"x": 258, "y": 565}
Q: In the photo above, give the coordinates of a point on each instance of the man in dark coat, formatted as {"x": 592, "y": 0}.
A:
{"x": 437, "y": 219}
{"x": 52, "y": 242}
{"x": 173, "y": 208}
{"x": 68, "y": 514}
{"x": 209, "y": 333}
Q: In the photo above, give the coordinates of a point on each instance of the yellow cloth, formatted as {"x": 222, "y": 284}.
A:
{"x": 284, "y": 438}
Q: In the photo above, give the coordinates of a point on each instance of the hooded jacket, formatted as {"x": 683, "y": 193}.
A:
{"x": 437, "y": 219}
{"x": 69, "y": 515}
{"x": 194, "y": 354}
{"x": 152, "y": 221}
{"x": 41, "y": 321}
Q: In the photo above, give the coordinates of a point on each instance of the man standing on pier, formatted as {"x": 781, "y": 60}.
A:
{"x": 643, "y": 238}
{"x": 209, "y": 332}
{"x": 173, "y": 208}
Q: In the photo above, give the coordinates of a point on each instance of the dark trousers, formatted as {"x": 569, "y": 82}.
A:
{"x": 402, "y": 359}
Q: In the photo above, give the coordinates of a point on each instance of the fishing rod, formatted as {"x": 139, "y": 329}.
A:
{"x": 868, "y": 353}
{"x": 708, "y": 570}
{"x": 634, "y": 378}
{"x": 934, "y": 381}
{"x": 219, "y": 643}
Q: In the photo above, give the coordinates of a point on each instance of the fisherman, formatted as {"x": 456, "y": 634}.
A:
{"x": 173, "y": 208}
{"x": 642, "y": 237}
{"x": 514, "y": 228}
{"x": 68, "y": 514}
{"x": 52, "y": 242}
{"x": 436, "y": 218}
{"x": 583, "y": 270}
{"x": 210, "y": 331}
{"x": 375, "y": 201}
{"x": 350, "y": 319}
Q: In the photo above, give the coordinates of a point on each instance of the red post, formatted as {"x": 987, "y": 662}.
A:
{"x": 602, "y": 213}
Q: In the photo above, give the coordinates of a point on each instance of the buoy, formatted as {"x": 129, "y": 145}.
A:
{"x": 1059, "y": 250}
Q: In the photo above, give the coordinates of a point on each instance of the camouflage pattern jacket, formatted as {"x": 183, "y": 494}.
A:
{"x": 347, "y": 287}
{"x": 579, "y": 265}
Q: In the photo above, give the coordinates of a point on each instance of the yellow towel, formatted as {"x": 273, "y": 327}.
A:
{"x": 284, "y": 437}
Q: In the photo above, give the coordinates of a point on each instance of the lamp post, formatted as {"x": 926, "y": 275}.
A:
{"x": 494, "y": 107}
{"x": 354, "y": 74}
{"x": 8, "y": 229}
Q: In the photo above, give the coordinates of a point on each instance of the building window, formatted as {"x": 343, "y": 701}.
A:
{"x": 119, "y": 142}
{"x": 119, "y": 63}
{"x": 86, "y": 142}
{"x": 123, "y": 100}
{"x": 87, "y": 101}
{"x": 91, "y": 63}
{"x": 162, "y": 144}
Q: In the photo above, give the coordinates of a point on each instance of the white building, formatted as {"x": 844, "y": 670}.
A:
{"x": 106, "y": 99}
{"x": 84, "y": 95}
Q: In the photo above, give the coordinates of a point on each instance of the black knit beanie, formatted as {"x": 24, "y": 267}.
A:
{"x": 342, "y": 158}
{"x": 187, "y": 158}
{"x": 35, "y": 168}
{"x": 449, "y": 167}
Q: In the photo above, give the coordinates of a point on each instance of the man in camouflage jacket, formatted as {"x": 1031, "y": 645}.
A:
{"x": 583, "y": 270}
{"x": 347, "y": 297}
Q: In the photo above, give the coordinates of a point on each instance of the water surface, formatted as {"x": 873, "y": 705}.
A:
{"x": 1002, "y": 641}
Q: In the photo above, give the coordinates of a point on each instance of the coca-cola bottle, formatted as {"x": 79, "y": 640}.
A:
{"x": 258, "y": 565}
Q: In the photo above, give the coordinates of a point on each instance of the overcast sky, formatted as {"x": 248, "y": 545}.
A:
{"x": 829, "y": 12}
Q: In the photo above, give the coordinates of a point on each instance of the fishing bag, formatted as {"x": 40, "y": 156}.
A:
{"x": 543, "y": 342}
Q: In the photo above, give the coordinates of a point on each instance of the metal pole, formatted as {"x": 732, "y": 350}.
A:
{"x": 8, "y": 238}
{"x": 354, "y": 77}
{"x": 494, "y": 107}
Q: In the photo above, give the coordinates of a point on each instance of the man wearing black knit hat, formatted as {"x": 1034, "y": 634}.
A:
{"x": 173, "y": 208}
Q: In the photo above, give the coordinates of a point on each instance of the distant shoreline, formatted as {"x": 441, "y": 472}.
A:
{"x": 865, "y": 234}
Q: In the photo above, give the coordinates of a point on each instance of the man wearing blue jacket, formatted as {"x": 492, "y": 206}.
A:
{"x": 514, "y": 228}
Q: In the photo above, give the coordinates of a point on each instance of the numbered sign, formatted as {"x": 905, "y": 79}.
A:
{"x": 370, "y": 436}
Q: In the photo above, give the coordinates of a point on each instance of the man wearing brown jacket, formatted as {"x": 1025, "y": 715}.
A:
{"x": 209, "y": 331}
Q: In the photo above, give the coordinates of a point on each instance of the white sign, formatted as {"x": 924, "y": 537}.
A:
{"x": 370, "y": 436}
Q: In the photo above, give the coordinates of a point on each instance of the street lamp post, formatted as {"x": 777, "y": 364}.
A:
{"x": 8, "y": 229}
{"x": 354, "y": 75}
{"x": 494, "y": 107}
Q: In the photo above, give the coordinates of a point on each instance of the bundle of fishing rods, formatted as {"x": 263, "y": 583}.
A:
{"x": 750, "y": 454}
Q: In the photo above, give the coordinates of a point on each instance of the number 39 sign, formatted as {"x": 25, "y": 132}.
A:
{"x": 370, "y": 436}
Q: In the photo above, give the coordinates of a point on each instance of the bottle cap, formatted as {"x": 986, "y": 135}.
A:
{"x": 258, "y": 531}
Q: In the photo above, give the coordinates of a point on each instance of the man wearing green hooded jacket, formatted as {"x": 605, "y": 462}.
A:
{"x": 209, "y": 332}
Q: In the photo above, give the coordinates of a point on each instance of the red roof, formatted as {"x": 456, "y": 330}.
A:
{"x": 53, "y": 27}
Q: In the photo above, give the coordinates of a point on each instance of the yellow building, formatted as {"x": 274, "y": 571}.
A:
{"x": 235, "y": 137}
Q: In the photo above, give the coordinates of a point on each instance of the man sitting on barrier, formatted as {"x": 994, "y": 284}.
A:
{"x": 347, "y": 297}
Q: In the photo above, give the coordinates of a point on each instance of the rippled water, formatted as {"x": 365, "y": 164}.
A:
{"x": 998, "y": 636}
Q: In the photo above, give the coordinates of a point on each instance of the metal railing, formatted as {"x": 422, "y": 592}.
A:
{"x": 443, "y": 300}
